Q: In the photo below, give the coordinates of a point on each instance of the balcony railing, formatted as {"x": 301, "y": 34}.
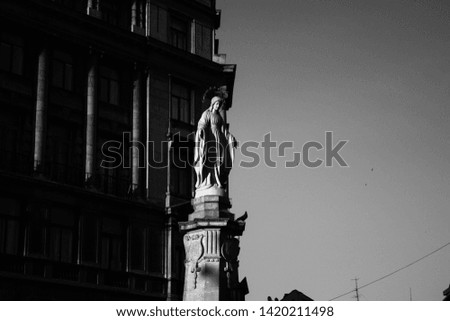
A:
{"x": 63, "y": 173}
{"x": 112, "y": 183}
{"x": 82, "y": 275}
{"x": 109, "y": 182}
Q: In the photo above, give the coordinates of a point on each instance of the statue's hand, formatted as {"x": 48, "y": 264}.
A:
{"x": 234, "y": 142}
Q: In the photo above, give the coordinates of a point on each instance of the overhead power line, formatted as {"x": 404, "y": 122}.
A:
{"x": 388, "y": 275}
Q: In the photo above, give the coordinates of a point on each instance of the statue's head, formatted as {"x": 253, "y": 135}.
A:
{"x": 216, "y": 103}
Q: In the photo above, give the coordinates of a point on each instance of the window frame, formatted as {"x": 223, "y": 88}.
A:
{"x": 182, "y": 179}
{"x": 177, "y": 98}
{"x": 111, "y": 239}
{"x": 180, "y": 32}
{"x": 109, "y": 78}
{"x": 203, "y": 32}
{"x": 15, "y": 61}
{"x": 145, "y": 248}
{"x": 62, "y": 163}
{"x": 37, "y": 221}
{"x": 58, "y": 228}
{"x": 82, "y": 240}
{"x": 14, "y": 217}
{"x": 67, "y": 68}
{"x": 156, "y": 251}
{"x": 110, "y": 12}
{"x": 113, "y": 179}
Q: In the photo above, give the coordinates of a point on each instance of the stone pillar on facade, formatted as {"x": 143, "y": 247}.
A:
{"x": 91, "y": 119}
{"x": 147, "y": 131}
{"x": 134, "y": 13}
{"x": 138, "y": 16}
{"x": 93, "y": 8}
{"x": 147, "y": 17}
{"x": 193, "y": 35}
{"x": 211, "y": 244}
{"x": 136, "y": 132}
{"x": 41, "y": 110}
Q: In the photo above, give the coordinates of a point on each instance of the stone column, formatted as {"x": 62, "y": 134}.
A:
{"x": 93, "y": 8}
{"x": 94, "y": 4}
{"x": 170, "y": 225}
{"x": 212, "y": 250}
{"x": 147, "y": 133}
{"x": 134, "y": 13}
{"x": 170, "y": 219}
{"x": 193, "y": 35}
{"x": 147, "y": 18}
{"x": 138, "y": 10}
{"x": 91, "y": 119}
{"x": 169, "y": 147}
{"x": 136, "y": 135}
{"x": 41, "y": 110}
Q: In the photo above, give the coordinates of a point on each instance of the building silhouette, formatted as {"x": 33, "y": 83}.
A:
{"x": 90, "y": 91}
{"x": 446, "y": 294}
{"x": 294, "y": 295}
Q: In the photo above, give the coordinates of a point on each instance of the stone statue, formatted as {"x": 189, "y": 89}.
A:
{"x": 214, "y": 151}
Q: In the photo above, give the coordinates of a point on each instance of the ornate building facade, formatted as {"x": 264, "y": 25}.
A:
{"x": 80, "y": 82}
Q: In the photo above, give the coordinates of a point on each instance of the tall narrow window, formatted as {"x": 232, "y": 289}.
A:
{"x": 158, "y": 22}
{"x": 137, "y": 247}
{"x": 8, "y": 144}
{"x": 181, "y": 103}
{"x": 203, "y": 40}
{"x": 181, "y": 182}
{"x": 9, "y": 226}
{"x": 89, "y": 239}
{"x": 63, "y": 162}
{"x": 62, "y": 71}
{"x": 110, "y": 11}
{"x": 179, "y": 31}
{"x": 15, "y": 149}
{"x": 113, "y": 178}
{"x": 111, "y": 181}
{"x": 155, "y": 250}
{"x": 181, "y": 174}
{"x": 62, "y": 224}
{"x": 109, "y": 86}
{"x": 112, "y": 245}
{"x": 11, "y": 54}
{"x": 37, "y": 231}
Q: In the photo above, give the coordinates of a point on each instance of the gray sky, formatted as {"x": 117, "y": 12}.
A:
{"x": 376, "y": 73}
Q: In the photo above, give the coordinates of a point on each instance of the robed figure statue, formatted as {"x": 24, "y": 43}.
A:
{"x": 214, "y": 151}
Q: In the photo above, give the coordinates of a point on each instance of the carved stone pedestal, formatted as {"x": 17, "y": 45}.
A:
{"x": 212, "y": 250}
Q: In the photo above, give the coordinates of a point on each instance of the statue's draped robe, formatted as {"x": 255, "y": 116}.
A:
{"x": 214, "y": 151}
